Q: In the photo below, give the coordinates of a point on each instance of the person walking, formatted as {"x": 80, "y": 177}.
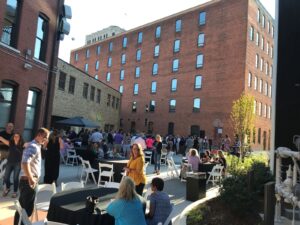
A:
{"x": 31, "y": 172}
{"x": 157, "y": 153}
{"x": 13, "y": 164}
{"x": 52, "y": 158}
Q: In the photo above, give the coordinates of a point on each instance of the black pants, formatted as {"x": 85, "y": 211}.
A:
{"x": 139, "y": 188}
{"x": 26, "y": 199}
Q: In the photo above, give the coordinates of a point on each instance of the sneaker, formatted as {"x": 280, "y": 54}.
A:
{"x": 5, "y": 192}
{"x": 14, "y": 195}
{"x": 157, "y": 172}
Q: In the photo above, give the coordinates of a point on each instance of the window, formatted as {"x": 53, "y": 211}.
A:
{"x": 96, "y": 76}
{"x": 260, "y": 85}
{"x": 255, "y": 83}
{"x": 174, "y": 85}
{"x": 92, "y": 94}
{"x": 138, "y": 55}
{"x": 156, "y": 51}
{"x": 72, "y": 85}
{"x": 76, "y": 57}
{"x": 175, "y": 65}
{"x": 87, "y": 53}
{"x": 62, "y": 81}
{"x": 155, "y": 69}
{"x": 259, "y": 108}
{"x": 7, "y": 99}
{"x": 113, "y": 101}
{"x": 98, "y": 98}
{"x": 109, "y": 62}
{"x": 122, "y": 74}
{"x": 201, "y": 39}
{"x": 172, "y": 105}
{"x": 108, "y": 76}
{"x": 158, "y": 32}
{"x": 124, "y": 43}
{"x": 153, "y": 87}
{"x": 263, "y": 23}
{"x": 265, "y": 111}
{"x": 30, "y": 116}
{"x": 254, "y": 107}
{"x": 86, "y": 67}
{"x": 137, "y": 72}
{"x": 140, "y": 38}
{"x": 134, "y": 107}
{"x": 9, "y": 29}
{"x": 258, "y": 135}
{"x": 98, "y": 50}
{"x": 117, "y": 103}
{"x": 176, "y": 47}
{"x": 202, "y": 18}
{"x": 261, "y": 64}
{"x": 152, "y": 106}
{"x": 257, "y": 39}
{"x": 271, "y": 70}
{"x": 41, "y": 39}
{"x": 135, "y": 89}
{"x": 199, "y": 62}
{"x": 272, "y": 31}
{"x": 268, "y": 27}
{"x": 266, "y": 88}
{"x": 251, "y": 33}
{"x": 269, "y": 112}
{"x": 262, "y": 43}
{"x": 256, "y": 60}
{"x": 97, "y": 65}
{"x": 85, "y": 90}
{"x": 258, "y": 15}
{"x": 249, "y": 80}
{"x": 196, "y": 106}
{"x": 110, "y": 46}
{"x": 178, "y": 26}
{"x": 198, "y": 82}
{"x": 267, "y": 68}
{"x": 121, "y": 89}
{"x": 108, "y": 99}
{"x": 123, "y": 58}
{"x": 271, "y": 52}
{"x": 270, "y": 91}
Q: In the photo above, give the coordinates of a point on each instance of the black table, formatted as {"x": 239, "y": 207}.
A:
{"x": 69, "y": 207}
{"x": 206, "y": 167}
{"x": 119, "y": 164}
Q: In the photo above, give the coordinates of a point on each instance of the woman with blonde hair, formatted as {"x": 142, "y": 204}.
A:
{"x": 194, "y": 159}
{"x": 127, "y": 208}
{"x": 135, "y": 168}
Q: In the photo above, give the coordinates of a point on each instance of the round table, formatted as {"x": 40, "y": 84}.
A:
{"x": 69, "y": 207}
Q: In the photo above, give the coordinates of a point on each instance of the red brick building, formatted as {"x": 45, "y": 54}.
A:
{"x": 28, "y": 51}
{"x": 180, "y": 74}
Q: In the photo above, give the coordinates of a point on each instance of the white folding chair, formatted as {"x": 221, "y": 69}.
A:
{"x": 23, "y": 217}
{"x": 172, "y": 168}
{"x": 87, "y": 169}
{"x": 42, "y": 202}
{"x": 215, "y": 174}
{"x": 105, "y": 170}
{"x": 163, "y": 158}
{"x": 145, "y": 167}
{"x": 148, "y": 156}
{"x": 71, "y": 185}
{"x": 71, "y": 157}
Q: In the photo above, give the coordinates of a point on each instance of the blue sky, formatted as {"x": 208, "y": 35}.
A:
{"x": 92, "y": 15}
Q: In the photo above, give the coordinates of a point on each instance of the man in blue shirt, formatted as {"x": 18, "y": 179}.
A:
{"x": 160, "y": 206}
{"x": 31, "y": 172}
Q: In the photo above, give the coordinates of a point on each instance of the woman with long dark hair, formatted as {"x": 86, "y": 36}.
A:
{"x": 13, "y": 163}
{"x": 52, "y": 157}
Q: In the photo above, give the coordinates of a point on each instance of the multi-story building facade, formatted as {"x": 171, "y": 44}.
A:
{"x": 75, "y": 89}
{"x": 30, "y": 32}
{"x": 180, "y": 74}
{"x": 103, "y": 34}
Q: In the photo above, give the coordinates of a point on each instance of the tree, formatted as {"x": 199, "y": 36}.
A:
{"x": 242, "y": 117}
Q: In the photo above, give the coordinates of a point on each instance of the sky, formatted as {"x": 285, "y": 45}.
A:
{"x": 89, "y": 16}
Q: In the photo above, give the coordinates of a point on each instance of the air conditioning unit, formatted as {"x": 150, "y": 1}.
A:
{"x": 67, "y": 12}
{"x": 64, "y": 26}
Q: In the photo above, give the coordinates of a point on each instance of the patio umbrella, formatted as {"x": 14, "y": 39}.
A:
{"x": 78, "y": 121}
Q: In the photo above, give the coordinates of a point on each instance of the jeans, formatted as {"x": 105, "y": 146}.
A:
{"x": 12, "y": 167}
{"x": 26, "y": 199}
{"x": 139, "y": 188}
{"x": 157, "y": 161}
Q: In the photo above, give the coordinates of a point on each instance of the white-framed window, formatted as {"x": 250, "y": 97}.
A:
{"x": 258, "y": 15}
{"x": 138, "y": 55}
{"x": 269, "y": 112}
{"x": 271, "y": 52}
{"x": 249, "y": 79}
{"x": 97, "y": 64}
{"x": 87, "y": 53}
{"x": 272, "y": 31}
{"x": 198, "y": 82}
{"x": 267, "y": 68}
{"x": 254, "y": 107}
{"x": 86, "y": 67}
{"x": 108, "y": 76}
{"x": 251, "y": 33}
{"x": 124, "y": 43}
{"x": 263, "y": 22}
{"x": 199, "y": 62}
{"x": 178, "y": 24}
{"x": 266, "y": 88}
{"x": 135, "y": 89}
{"x": 270, "y": 91}
{"x": 153, "y": 87}
{"x": 123, "y": 58}
{"x": 201, "y": 39}
{"x": 155, "y": 69}
{"x": 76, "y": 56}
{"x": 176, "y": 47}
{"x": 256, "y": 60}
{"x": 267, "y": 49}
{"x": 262, "y": 45}
{"x": 257, "y": 39}
{"x": 261, "y": 64}
{"x": 174, "y": 85}
{"x": 109, "y": 62}
{"x": 156, "y": 51}
{"x": 260, "y": 85}
{"x": 140, "y": 38}
{"x": 271, "y": 71}
{"x": 255, "y": 82}
{"x": 158, "y": 32}
{"x": 121, "y": 89}
{"x": 175, "y": 65}
{"x": 268, "y": 26}
{"x": 259, "y": 108}
{"x": 196, "y": 105}
{"x": 265, "y": 111}
{"x": 137, "y": 72}
{"x": 172, "y": 105}
{"x": 122, "y": 74}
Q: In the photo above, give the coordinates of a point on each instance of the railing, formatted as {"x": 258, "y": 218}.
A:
{"x": 284, "y": 189}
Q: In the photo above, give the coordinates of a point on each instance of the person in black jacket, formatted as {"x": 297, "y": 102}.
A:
{"x": 157, "y": 153}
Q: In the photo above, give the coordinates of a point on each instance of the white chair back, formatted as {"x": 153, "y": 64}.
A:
{"x": 163, "y": 158}
{"x": 2, "y": 168}
{"x": 148, "y": 156}
{"x": 71, "y": 185}
{"x": 172, "y": 168}
{"x": 215, "y": 174}
{"x": 87, "y": 169}
{"x": 105, "y": 170}
{"x": 23, "y": 217}
{"x": 71, "y": 157}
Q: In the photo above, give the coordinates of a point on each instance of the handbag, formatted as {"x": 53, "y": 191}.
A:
{"x": 91, "y": 203}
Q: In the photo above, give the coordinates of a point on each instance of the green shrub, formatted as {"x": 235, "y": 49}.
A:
{"x": 196, "y": 215}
